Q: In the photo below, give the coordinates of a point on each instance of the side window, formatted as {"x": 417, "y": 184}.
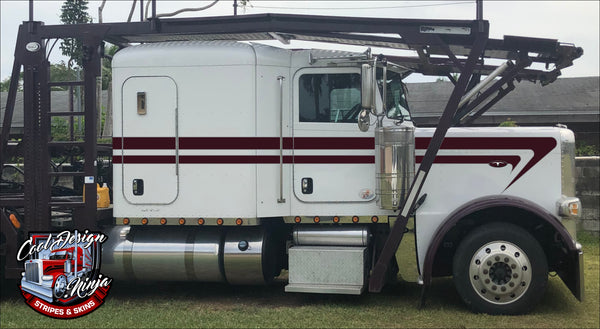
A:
{"x": 329, "y": 97}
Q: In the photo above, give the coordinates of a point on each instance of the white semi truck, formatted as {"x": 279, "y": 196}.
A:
{"x": 234, "y": 160}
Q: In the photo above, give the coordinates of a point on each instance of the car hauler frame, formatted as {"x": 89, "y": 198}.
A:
{"x": 443, "y": 47}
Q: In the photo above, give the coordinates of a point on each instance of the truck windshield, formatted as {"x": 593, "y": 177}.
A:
{"x": 59, "y": 256}
{"x": 396, "y": 104}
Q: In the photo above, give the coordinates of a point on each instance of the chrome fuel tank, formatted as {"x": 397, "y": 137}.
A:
{"x": 395, "y": 163}
{"x": 208, "y": 254}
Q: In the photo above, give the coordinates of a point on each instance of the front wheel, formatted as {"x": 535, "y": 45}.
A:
{"x": 500, "y": 268}
{"x": 60, "y": 287}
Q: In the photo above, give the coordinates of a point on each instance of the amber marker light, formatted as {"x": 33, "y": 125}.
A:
{"x": 144, "y": 221}
{"x": 336, "y": 219}
{"x": 181, "y": 221}
{"x": 573, "y": 209}
{"x": 297, "y": 219}
{"x": 317, "y": 219}
{"x": 239, "y": 221}
{"x": 200, "y": 221}
{"x": 354, "y": 219}
{"x": 163, "y": 221}
{"x": 220, "y": 221}
{"x": 125, "y": 221}
{"x": 374, "y": 219}
{"x": 14, "y": 221}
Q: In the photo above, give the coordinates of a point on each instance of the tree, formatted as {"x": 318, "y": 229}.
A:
{"x": 74, "y": 12}
{"x": 107, "y": 84}
{"x": 60, "y": 73}
{"x": 107, "y": 66}
{"x": 5, "y": 84}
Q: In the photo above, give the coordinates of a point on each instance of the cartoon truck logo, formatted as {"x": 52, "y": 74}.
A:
{"x": 48, "y": 276}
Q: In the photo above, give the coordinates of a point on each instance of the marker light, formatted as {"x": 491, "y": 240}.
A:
{"x": 144, "y": 221}
{"x": 125, "y": 221}
{"x": 239, "y": 221}
{"x": 200, "y": 221}
{"x": 569, "y": 207}
{"x": 163, "y": 221}
{"x": 574, "y": 209}
{"x": 336, "y": 219}
{"x": 374, "y": 219}
{"x": 297, "y": 219}
{"x": 317, "y": 219}
{"x": 220, "y": 221}
{"x": 181, "y": 221}
{"x": 354, "y": 219}
{"x": 14, "y": 221}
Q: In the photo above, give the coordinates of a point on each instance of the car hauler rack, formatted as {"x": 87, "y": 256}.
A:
{"x": 442, "y": 47}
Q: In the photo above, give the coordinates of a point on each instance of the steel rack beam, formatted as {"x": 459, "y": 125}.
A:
{"x": 10, "y": 101}
{"x": 377, "y": 280}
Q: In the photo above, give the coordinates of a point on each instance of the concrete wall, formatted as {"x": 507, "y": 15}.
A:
{"x": 588, "y": 191}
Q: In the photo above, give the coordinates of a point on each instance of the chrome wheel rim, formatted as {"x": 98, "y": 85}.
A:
{"x": 60, "y": 286}
{"x": 500, "y": 272}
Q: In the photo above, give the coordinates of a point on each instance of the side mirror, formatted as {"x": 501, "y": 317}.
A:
{"x": 364, "y": 120}
{"x": 366, "y": 87}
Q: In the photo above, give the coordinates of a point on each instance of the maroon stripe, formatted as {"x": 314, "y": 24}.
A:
{"x": 473, "y": 159}
{"x": 142, "y": 159}
{"x": 540, "y": 146}
{"x": 245, "y": 143}
{"x": 116, "y": 143}
{"x": 144, "y": 143}
{"x": 493, "y": 143}
{"x": 246, "y": 159}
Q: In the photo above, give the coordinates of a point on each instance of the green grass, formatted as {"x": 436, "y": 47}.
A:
{"x": 217, "y": 305}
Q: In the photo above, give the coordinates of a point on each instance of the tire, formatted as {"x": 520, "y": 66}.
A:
{"x": 60, "y": 287}
{"x": 500, "y": 268}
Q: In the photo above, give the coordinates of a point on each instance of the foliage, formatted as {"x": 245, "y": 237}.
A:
{"x": 60, "y": 129}
{"x": 61, "y": 72}
{"x": 586, "y": 150}
{"x": 508, "y": 123}
{"x": 74, "y": 12}
{"x": 58, "y": 72}
{"x": 107, "y": 66}
{"x": 455, "y": 76}
{"x": 5, "y": 84}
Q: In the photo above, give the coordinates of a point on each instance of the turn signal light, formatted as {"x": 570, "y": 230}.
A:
{"x": 181, "y": 221}
{"x": 297, "y": 219}
{"x": 574, "y": 209}
{"x": 317, "y": 219}
{"x": 144, "y": 221}
{"x": 163, "y": 221}
{"x": 200, "y": 221}
{"x": 125, "y": 221}
{"x": 14, "y": 221}
{"x": 239, "y": 221}
{"x": 354, "y": 219}
{"x": 336, "y": 219}
{"x": 220, "y": 221}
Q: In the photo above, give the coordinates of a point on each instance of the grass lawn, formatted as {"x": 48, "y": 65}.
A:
{"x": 216, "y": 305}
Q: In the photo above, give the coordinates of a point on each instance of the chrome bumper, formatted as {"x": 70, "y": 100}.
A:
{"x": 39, "y": 291}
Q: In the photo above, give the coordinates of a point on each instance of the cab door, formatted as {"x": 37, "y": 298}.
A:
{"x": 150, "y": 146}
{"x": 333, "y": 161}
